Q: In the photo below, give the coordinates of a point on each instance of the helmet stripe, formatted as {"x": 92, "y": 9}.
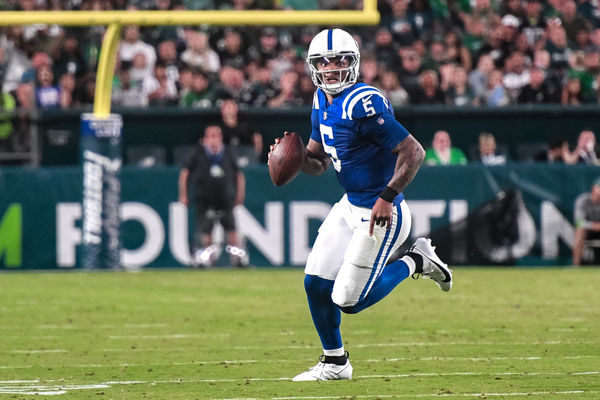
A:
{"x": 330, "y": 39}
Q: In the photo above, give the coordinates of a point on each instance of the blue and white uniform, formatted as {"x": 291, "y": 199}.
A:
{"x": 346, "y": 269}
{"x": 358, "y": 131}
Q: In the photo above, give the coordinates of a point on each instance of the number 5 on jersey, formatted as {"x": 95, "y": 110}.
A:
{"x": 327, "y": 136}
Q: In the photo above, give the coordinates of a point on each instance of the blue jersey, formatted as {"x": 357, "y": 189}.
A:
{"x": 358, "y": 131}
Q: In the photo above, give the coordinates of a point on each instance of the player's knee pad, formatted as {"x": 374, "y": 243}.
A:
{"x": 345, "y": 287}
{"x": 355, "y": 272}
{"x": 350, "y": 284}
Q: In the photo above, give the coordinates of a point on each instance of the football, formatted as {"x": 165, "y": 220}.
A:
{"x": 286, "y": 159}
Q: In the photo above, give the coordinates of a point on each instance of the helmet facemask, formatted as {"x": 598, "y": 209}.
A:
{"x": 346, "y": 77}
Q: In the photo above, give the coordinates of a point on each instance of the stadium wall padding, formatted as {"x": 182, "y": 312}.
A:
{"x": 520, "y": 214}
{"x": 170, "y": 128}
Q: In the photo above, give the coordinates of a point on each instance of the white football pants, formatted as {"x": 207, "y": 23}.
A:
{"x": 345, "y": 253}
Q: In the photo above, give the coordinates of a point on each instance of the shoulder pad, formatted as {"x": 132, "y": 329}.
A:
{"x": 364, "y": 102}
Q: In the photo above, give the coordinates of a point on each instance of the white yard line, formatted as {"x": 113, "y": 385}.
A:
{"x": 421, "y": 395}
{"x": 102, "y": 326}
{"x": 34, "y": 337}
{"x": 387, "y": 376}
{"x": 154, "y": 350}
{"x": 224, "y": 362}
{"x": 151, "y": 325}
{"x": 171, "y": 336}
{"x": 427, "y": 374}
{"x": 38, "y": 351}
{"x": 530, "y": 358}
{"x": 401, "y": 344}
{"x": 48, "y": 390}
{"x": 34, "y": 387}
{"x": 418, "y": 344}
{"x": 272, "y": 361}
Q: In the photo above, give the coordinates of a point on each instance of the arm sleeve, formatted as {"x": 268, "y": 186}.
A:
{"x": 384, "y": 130}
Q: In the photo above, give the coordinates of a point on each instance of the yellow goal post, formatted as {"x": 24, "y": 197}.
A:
{"x": 116, "y": 19}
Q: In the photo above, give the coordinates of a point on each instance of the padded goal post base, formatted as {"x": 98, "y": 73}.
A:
{"x": 101, "y": 162}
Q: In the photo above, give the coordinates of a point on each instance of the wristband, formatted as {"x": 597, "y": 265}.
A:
{"x": 388, "y": 194}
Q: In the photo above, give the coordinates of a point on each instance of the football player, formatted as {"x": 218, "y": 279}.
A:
{"x": 375, "y": 158}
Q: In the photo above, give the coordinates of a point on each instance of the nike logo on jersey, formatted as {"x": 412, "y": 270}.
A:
{"x": 364, "y": 220}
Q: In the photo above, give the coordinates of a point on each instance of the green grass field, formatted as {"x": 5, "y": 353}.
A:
{"x": 232, "y": 334}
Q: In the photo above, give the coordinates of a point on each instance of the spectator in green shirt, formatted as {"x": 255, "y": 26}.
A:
{"x": 201, "y": 94}
{"x": 442, "y": 152}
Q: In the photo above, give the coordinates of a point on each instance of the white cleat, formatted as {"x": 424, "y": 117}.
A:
{"x": 433, "y": 267}
{"x": 207, "y": 256}
{"x": 325, "y": 372}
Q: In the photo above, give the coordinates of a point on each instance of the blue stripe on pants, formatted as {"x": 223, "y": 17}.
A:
{"x": 391, "y": 275}
{"x": 374, "y": 270}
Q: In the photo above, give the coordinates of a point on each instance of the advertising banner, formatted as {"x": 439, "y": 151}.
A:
{"x": 520, "y": 214}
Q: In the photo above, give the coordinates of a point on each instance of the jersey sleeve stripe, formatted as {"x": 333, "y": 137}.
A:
{"x": 364, "y": 94}
{"x": 349, "y": 97}
{"x": 316, "y": 100}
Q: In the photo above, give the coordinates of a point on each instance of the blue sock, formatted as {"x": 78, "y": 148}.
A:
{"x": 391, "y": 276}
{"x": 325, "y": 314}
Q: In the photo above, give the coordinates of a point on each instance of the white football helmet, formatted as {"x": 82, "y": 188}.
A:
{"x": 331, "y": 43}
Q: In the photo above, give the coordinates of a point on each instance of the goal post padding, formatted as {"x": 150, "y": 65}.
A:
{"x": 101, "y": 162}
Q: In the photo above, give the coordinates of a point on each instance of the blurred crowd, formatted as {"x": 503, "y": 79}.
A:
{"x": 453, "y": 52}
{"x": 555, "y": 151}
